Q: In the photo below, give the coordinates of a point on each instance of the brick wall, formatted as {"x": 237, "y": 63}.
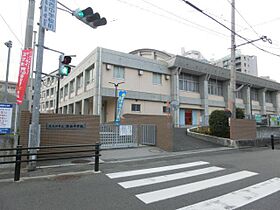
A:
{"x": 164, "y": 137}
{"x": 243, "y": 129}
{"x": 88, "y": 135}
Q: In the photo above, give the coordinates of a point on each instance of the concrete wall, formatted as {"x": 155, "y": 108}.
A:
{"x": 164, "y": 137}
{"x": 266, "y": 132}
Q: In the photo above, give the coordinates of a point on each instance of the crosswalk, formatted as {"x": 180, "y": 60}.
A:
{"x": 231, "y": 200}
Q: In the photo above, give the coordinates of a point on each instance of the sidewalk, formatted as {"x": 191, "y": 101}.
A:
{"x": 86, "y": 165}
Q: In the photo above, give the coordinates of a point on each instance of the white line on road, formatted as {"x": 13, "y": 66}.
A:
{"x": 169, "y": 177}
{"x": 154, "y": 170}
{"x": 171, "y": 192}
{"x": 238, "y": 198}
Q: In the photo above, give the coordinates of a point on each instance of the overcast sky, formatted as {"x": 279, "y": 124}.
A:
{"x": 166, "y": 25}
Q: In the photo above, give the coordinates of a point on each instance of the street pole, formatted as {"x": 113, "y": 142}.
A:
{"x": 57, "y": 94}
{"x": 28, "y": 44}
{"x": 9, "y": 45}
{"x": 231, "y": 102}
{"x": 33, "y": 141}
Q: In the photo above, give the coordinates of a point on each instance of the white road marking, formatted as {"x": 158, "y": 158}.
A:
{"x": 238, "y": 198}
{"x": 154, "y": 170}
{"x": 169, "y": 177}
{"x": 163, "y": 194}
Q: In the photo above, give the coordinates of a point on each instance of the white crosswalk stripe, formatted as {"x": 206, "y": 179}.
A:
{"x": 155, "y": 170}
{"x": 170, "y": 177}
{"x": 232, "y": 200}
{"x": 238, "y": 198}
{"x": 172, "y": 192}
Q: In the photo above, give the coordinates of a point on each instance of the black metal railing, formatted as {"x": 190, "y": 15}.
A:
{"x": 26, "y": 152}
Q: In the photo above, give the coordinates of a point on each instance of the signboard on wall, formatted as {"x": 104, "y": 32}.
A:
{"x": 6, "y": 112}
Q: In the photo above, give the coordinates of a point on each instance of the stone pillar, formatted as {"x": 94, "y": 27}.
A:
{"x": 175, "y": 97}
{"x": 262, "y": 101}
{"x": 74, "y": 108}
{"x": 203, "y": 89}
{"x": 246, "y": 96}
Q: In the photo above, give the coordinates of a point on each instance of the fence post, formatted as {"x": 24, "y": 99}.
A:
{"x": 18, "y": 163}
{"x": 97, "y": 152}
{"x": 272, "y": 141}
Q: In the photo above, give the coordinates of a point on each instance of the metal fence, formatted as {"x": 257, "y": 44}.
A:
{"x": 123, "y": 136}
{"x": 147, "y": 134}
{"x": 118, "y": 136}
{"x": 90, "y": 150}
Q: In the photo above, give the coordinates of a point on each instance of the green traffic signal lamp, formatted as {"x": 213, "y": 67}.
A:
{"x": 64, "y": 70}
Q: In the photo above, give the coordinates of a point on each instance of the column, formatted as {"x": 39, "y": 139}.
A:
{"x": 262, "y": 101}
{"x": 246, "y": 96}
{"x": 276, "y": 101}
{"x": 203, "y": 89}
{"x": 226, "y": 92}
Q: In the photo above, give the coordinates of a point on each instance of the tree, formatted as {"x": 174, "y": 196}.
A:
{"x": 240, "y": 113}
{"x": 218, "y": 123}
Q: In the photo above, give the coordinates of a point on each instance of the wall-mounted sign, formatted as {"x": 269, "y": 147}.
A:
{"x": 68, "y": 126}
{"x": 6, "y": 111}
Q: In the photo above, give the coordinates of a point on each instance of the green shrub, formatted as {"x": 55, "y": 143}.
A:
{"x": 218, "y": 124}
{"x": 240, "y": 113}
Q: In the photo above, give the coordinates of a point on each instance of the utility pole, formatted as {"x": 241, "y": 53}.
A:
{"x": 231, "y": 101}
{"x": 33, "y": 142}
{"x": 9, "y": 45}
{"x": 31, "y": 73}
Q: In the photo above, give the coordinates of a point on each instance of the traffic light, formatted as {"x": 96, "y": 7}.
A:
{"x": 64, "y": 67}
{"x": 89, "y": 17}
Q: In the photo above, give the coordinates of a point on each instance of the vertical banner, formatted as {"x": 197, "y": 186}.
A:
{"x": 23, "y": 75}
{"x": 6, "y": 111}
{"x": 121, "y": 97}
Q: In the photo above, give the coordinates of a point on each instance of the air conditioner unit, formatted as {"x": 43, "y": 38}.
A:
{"x": 109, "y": 67}
{"x": 140, "y": 72}
{"x": 167, "y": 77}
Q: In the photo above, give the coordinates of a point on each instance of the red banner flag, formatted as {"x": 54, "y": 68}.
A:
{"x": 24, "y": 69}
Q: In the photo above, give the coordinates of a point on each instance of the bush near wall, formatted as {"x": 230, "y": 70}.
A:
{"x": 218, "y": 124}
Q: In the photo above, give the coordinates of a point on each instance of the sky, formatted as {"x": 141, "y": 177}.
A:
{"x": 166, "y": 25}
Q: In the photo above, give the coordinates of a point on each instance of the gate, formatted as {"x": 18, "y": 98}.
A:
{"x": 147, "y": 134}
{"x": 118, "y": 136}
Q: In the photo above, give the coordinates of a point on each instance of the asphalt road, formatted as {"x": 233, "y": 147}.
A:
{"x": 242, "y": 179}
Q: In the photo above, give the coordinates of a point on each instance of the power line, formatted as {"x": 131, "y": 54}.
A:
{"x": 244, "y": 19}
{"x": 194, "y": 25}
{"x": 247, "y": 40}
{"x": 11, "y": 30}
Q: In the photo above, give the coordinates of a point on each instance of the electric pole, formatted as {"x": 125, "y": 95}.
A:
{"x": 231, "y": 101}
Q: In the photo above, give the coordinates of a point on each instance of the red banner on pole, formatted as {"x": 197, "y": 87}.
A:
{"x": 24, "y": 69}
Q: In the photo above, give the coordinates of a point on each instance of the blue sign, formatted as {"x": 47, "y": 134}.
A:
{"x": 6, "y": 111}
{"x": 121, "y": 97}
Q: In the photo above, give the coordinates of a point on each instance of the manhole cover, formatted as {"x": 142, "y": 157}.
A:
{"x": 80, "y": 161}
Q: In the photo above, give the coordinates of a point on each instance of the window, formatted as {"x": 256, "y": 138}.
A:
{"x": 165, "y": 109}
{"x": 136, "y": 107}
{"x": 80, "y": 81}
{"x": 72, "y": 86}
{"x": 52, "y": 91}
{"x": 189, "y": 82}
{"x": 156, "y": 79}
{"x": 118, "y": 72}
{"x": 47, "y": 104}
{"x": 239, "y": 93}
{"x": 88, "y": 74}
{"x": 48, "y": 93}
{"x": 254, "y": 94}
{"x": 66, "y": 90}
{"x": 215, "y": 87}
{"x": 51, "y": 104}
{"x": 61, "y": 93}
{"x": 268, "y": 97}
